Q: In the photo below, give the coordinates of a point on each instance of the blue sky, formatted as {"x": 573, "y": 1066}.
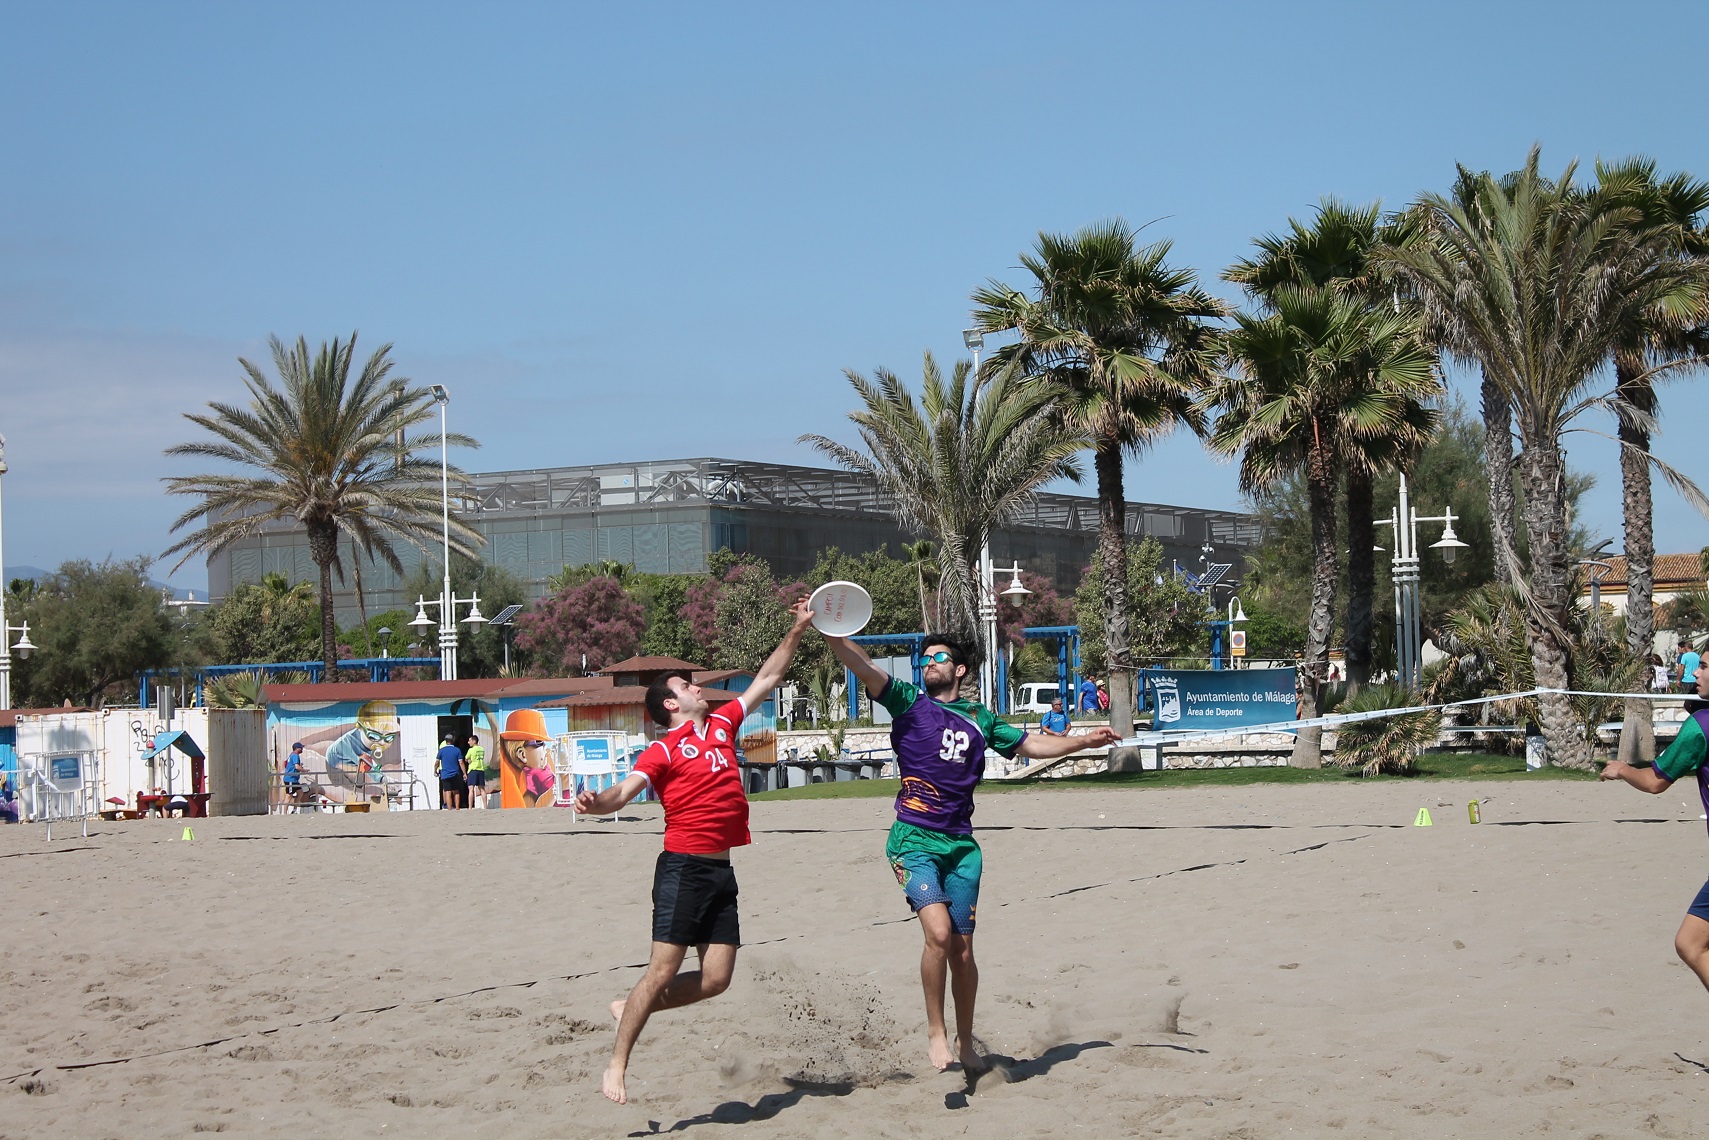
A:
{"x": 622, "y": 232}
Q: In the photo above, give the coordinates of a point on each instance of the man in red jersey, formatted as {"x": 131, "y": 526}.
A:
{"x": 693, "y": 772}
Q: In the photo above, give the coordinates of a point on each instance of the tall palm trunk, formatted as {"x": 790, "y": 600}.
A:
{"x": 1498, "y": 458}
{"x": 323, "y": 548}
{"x": 1542, "y": 468}
{"x": 1361, "y": 577}
{"x": 1320, "y": 619}
{"x": 361, "y": 598}
{"x": 1638, "y": 734}
{"x": 958, "y": 570}
{"x": 1112, "y": 564}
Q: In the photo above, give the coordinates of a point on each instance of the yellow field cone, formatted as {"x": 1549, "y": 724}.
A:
{"x": 189, "y": 835}
{"x": 1423, "y": 819}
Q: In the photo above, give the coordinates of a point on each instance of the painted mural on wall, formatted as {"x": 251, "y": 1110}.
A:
{"x": 526, "y": 774}
{"x": 353, "y": 761}
{"x": 376, "y": 752}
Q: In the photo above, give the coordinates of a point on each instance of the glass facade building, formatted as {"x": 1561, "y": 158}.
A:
{"x": 666, "y": 517}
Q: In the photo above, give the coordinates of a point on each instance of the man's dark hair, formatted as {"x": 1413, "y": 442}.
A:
{"x": 659, "y": 692}
{"x": 957, "y": 651}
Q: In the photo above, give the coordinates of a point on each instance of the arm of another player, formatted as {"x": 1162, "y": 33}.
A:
{"x": 1644, "y": 779}
{"x": 1037, "y": 746}
{"x": 858, "y": 663}
{"x": 590, "y": 802}
{"x": 772, "y": 672}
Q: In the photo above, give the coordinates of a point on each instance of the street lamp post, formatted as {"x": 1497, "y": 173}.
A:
{"x": 447, "y": 601}
{"x": 1598, "y": 571}
{"x": 988, "y": 669}
{"x": 1220, "y": 626}
{"x": 22, "y": 647}
{"x": 1404, "y": 567}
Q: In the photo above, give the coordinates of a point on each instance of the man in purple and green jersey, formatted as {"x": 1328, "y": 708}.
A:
{"x": 1686, "y": 756}
{"x": 940, "y": 742}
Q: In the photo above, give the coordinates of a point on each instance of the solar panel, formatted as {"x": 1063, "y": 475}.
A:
{"x": 1214, "y": 573}
{"x": 505, "y": 616}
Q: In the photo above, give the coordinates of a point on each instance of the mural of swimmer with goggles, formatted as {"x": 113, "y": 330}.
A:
{"x": 360, "y": 751}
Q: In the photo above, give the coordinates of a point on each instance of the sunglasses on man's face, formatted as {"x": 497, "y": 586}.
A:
{"x": 937, "y": 658}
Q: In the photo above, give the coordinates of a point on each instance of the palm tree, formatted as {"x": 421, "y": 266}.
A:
{"x": 1127, "y": 344}
{"x": 324, "y": 453}
{"x": 1497, "y": 412}
{"x": 1333, "y": 252}
{"x": 922, "y": 556}
{"x": 1322, "y": 378}
{"x": 957, "y": 462}
{"x": 1675, "y": 206}
{"x": 1541, "y": 283}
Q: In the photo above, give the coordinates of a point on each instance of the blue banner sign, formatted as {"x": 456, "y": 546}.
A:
{"x": 1219, "y": 698}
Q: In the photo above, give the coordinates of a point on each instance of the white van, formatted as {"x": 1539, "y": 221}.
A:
{"x": 1034, "y": 698}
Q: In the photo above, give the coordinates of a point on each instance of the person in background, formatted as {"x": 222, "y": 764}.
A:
{"x": 475, "y": 760}
{"x": 293, "y": 782}
{"x": 1658, "y": 674}
{"x": 1688, "y": 662}
{"x": 452, "y": 785}
{"x": 1103, "y": 698}
{"x": 1054, "y": 722}
{"x": 1088, "y": 694}
{"x": 8, "y": 800}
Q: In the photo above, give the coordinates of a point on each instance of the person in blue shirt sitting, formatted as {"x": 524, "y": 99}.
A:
{"x": 1054, "y": 722}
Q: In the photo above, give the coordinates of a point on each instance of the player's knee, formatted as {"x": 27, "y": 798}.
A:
{"x": 940, "y": 941}
{"x": 714, "y": 984}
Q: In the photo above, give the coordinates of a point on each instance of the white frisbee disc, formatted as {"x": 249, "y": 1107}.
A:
{"x": 840, "y": 609}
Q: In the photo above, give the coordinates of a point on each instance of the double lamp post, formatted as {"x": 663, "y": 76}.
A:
{"x": 447, "y": 601}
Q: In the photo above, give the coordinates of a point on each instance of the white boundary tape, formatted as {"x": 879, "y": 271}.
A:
{"x": 1152, "y": 738}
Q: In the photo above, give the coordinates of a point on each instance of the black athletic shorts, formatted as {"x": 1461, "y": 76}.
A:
{"x": 694, "y": 900}
{"x": 454, "y": 784}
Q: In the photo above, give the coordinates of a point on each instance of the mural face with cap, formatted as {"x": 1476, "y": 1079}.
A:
{"x": 527, "y": 752}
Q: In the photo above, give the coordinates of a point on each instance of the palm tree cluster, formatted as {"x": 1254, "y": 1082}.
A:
{"x": 1542, "y": 283}
{"x": 1334, "y": 378}
{"x": 1331, "y": 381}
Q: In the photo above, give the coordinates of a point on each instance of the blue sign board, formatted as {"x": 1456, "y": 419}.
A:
{"x": 1201, "y": 699}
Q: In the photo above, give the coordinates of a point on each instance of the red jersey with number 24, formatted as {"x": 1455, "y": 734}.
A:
{"x": 697, "y": 780}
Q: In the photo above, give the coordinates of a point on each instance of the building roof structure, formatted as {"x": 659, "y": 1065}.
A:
{"x": 670, "y": 516}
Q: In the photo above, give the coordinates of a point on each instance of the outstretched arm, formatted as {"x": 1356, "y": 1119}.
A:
{"x": 1037, "y": 746}
{"x": 590, "y": 802}
{"x": 858, "y": 663}
{"x": 772, "y": 672}
{"x": 1644, "y": 779}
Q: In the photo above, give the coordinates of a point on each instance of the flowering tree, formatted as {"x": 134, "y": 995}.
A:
{"x": 596, "y": 619}
{"x": 1044, "y": 606}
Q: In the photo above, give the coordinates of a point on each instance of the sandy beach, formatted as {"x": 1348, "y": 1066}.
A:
{"x": 1252, "y": 962}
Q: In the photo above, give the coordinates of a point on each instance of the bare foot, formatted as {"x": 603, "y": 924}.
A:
{"x": 970, "y": 1058}
{"x": 938, "y": 1050}
{"x": 617, "y": 1010}
{"x": 613, "y": 1083}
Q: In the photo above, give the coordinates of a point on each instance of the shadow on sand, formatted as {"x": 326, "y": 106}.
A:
{"x": 768, "y": 1106}
{"x": 1012, "y": 1071}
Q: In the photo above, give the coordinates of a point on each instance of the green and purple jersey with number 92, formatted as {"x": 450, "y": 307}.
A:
{"x": 940, "y": 750}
